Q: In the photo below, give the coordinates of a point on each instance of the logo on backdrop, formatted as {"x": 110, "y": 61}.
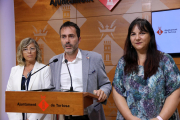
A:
{"x": 107, "y": 29}
{"x": 166, "y": 31}
{"x": 109, "y": 4}
{"x": 108, "y": 48}
{"x": 40, "y": 33}
{"x": 43, "y": 104}
{"x": 40, "y": 37}
{"x": 159, "y": 31}
{"x": 110, "y": 51}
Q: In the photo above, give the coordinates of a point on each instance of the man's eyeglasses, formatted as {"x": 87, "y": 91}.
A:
{"x": 32, "y": 49}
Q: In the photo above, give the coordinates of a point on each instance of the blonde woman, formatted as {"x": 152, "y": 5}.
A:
{"x": 29, "y": 61}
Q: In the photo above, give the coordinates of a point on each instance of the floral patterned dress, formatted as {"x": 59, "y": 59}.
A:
{"x": 145, "y": 98}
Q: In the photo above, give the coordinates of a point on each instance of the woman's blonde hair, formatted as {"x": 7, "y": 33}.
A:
{"x": 24, "y": 43}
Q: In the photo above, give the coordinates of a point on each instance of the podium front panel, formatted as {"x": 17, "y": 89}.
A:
{"x": 69, "y": 103}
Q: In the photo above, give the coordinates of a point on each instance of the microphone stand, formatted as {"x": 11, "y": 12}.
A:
{"x": 71, "y": 87}
{"x": 55, "y": 60}
{"x": 26, "y": 87}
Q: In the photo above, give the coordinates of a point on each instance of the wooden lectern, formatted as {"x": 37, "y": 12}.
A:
{"x": 48, "y": 102}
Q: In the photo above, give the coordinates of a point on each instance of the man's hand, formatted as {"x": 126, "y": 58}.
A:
{"x": 102, "y": 96}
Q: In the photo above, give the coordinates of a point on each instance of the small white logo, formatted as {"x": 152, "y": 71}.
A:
{"x": 109, "y": 2}
{"x": 41, "y": 33}
{"x": 107, "y": 29}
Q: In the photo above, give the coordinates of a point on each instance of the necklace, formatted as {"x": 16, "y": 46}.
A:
{"x": 26, "y": 75}
{"x": 28, "y": 71}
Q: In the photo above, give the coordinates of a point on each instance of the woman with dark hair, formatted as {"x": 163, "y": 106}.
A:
{"x": 146, "y": 84}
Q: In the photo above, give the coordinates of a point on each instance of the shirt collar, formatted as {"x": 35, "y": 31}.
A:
{"x": 78, "y": 56}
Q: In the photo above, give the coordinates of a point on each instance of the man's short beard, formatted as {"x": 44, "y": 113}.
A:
{"x": 74, "y": 48}
{"x": 71, "y": 52}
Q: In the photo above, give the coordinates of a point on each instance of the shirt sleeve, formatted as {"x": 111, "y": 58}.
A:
{"x": 172, "y": 76}
{"x": 118, "y": 78}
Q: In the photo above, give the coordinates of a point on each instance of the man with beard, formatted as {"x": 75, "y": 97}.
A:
{"x": 87, "y": 70}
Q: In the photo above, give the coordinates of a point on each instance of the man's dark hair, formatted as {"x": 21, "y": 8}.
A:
{"x": 71, "y": 24}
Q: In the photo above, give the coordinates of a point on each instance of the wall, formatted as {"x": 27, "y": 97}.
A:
{"x": 0, "y": 64}
{"x": 100, "y": 28}
{"x": 7, "y": 48}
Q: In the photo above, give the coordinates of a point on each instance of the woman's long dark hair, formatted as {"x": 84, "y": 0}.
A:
{"x": 130, "y": 55}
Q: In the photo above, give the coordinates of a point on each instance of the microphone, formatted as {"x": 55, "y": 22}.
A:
{"x": 55, "y": 60}
{"x": 71, "y": 88}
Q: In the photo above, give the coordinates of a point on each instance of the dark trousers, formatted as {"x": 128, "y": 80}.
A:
{"x": 84, "y": 117}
